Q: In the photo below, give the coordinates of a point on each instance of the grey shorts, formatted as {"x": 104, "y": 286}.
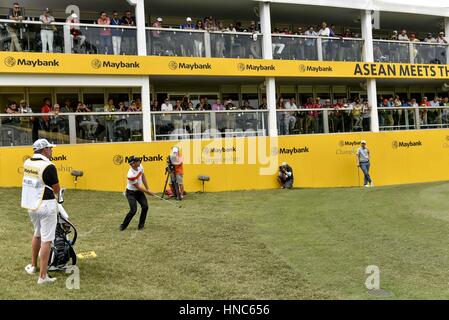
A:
{"x": 179, "y": 179}
{"x": 44, "y": 220}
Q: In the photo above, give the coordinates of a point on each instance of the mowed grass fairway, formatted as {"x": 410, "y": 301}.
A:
{"x": 274, "y": 244}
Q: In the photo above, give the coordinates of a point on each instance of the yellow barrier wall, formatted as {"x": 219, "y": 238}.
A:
{"x": 317, "y": 160}
{"x": 38, "y": 63}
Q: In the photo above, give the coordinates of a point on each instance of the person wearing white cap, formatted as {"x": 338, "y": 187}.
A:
{"x": 285, "y": 177}
{"x": 187, "y": 44}
{"x": 75, "y": 32}
{"x": 363, "y": 161}
{"x": 41, "y": 194}
{"x": 177, "y": 160}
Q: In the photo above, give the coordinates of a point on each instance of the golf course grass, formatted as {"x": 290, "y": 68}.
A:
{"x": 273, "y": 244}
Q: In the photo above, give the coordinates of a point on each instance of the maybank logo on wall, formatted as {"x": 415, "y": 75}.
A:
{"x": 119, "y": 159}
{"x": 97, "y": 64}
{"x": 12, "y": 62}
{"x": 406, "y": 144}
{"x": 26, "y": 62}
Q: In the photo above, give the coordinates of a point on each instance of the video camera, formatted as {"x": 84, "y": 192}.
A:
{"x": 170, "y": 166}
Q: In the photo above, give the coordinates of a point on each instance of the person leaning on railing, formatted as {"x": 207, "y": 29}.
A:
{"x": 47, "y": 30}
{"x": 129, "y": 41}
{"x": 423, "y": 112}
{"x": 15, "y": 13}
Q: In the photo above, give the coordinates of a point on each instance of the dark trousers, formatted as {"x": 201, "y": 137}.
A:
{"x": 135, "y": 197}
{"x": 364, "y": 166}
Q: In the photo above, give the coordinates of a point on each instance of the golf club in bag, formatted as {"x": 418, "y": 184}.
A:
{"x": 62, "y": 253}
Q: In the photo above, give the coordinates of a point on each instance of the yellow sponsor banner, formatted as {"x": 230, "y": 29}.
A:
{"x": 250, "y": 163}
{"x": 31, "y": 63}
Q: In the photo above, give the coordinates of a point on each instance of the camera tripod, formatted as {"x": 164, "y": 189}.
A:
{"x": 170, "y": 173}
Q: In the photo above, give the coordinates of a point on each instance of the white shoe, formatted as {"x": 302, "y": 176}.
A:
{"x": 366, "y": 185}
{"x": 47, "y": 279}
{"x": 30, "y": 269}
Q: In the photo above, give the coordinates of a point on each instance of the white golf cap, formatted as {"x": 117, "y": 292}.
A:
{"x": 74, "y": 16}
{"x": 363, "y": 141}
{"x": 41, "y": 144}
{"x": 189, "y": 19}
{"x": 175, "y": 150}
{"x": 159, "y": 19}
{"x": 284, "y": 164}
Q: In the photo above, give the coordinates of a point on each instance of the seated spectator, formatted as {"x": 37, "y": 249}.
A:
{"x": 285, "y": 176}
{"x": 78, "y": 38}
{"x": 177, "y": 106}
{"x": 441, "y": 38}
{"x": 217, "y": 106}
{"x": 203, "y": 104}
{"x": 403, "y": 36}
{"x": 229, "y": 105}
{"x": 122, "y": 107}
{"x": 264, "y": 105}
{"x": 155, "y": 105}
{"x": 45, "y": 120}
{"x": 58, "y": 123}
{"x": 12, "y": 108}
{"x": 166, "y": 106}
{"x": 246, "y": 105}
{"x": 24, "y": 108}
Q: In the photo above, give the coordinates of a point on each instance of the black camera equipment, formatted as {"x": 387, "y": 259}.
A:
{"x": 170, "y": 173}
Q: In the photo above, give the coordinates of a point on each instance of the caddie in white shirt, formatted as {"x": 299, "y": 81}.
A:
{"x": 41, "y": 193}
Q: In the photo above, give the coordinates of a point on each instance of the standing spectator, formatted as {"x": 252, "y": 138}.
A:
{"x": 363, "y": 157}
{"x": 116, "y": 33}
{"x": 46, "y": 108}
{"x": 185, "y": 103}
{"x": 336, "y": 116}
{"x": 415, "y": 57}
{"x": 105, "y": 34}
{"x": 157, "y": 38}
{"x": 129, "y": 37}
{"x": 357, "y": 115}
{"x": 177, "y": 106}
{"x": 188, "y": 46}
{"x": 310, "y": 44}
{"x": 290, "y": 119}
{"x": 198, "y": 44}
{"x": 109, "y": 120}
{"x": 47, "y": 31}
{"x": 325, "y": 32}
{"x": 220, "y": 41}
{"x": 15, "y": 13}
{"x": 423, "y": 112}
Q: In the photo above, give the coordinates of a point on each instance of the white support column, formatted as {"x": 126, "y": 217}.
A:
{"x": 368, "y": 56}
{"x": 270, "y": 85}
{"x": 146, "y": 108}
{"x": 140, "y": 22}
{"x": 265, "y": 28}
{"x": 267, "y": 52}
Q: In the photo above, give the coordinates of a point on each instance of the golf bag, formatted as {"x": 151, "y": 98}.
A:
{"x": 62, "y": 253}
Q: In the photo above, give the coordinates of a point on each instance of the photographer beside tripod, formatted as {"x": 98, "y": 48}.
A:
{"x": 177, "y": 174}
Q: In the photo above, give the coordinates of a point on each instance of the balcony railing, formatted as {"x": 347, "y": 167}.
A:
{"x": 209, "y": 124}
{"x": 410, "y": 118}
{"x": 294, "y": 47}
{"x": 410, "y": 52}
{"x": 64, "y": 128}
{"x": 67, "y": 38}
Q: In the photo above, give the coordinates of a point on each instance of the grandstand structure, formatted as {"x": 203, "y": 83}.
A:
{"x": 344, "y": 78}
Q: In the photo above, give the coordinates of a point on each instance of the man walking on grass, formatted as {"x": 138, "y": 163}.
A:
{"x": 363, "y": 161}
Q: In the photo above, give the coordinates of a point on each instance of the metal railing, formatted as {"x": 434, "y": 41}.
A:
{"x": 64, "y": 128}
{"x": 58, "y": 37}
{"x": 298, "y": 47}
{"x": 322, "y": 120}
{"x": 410, "y": 52}
{"x": 411, "y": 118}
{"x": 179, "y": 125}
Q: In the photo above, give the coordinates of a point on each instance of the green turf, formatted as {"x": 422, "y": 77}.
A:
{"x": 274, "y": 244}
